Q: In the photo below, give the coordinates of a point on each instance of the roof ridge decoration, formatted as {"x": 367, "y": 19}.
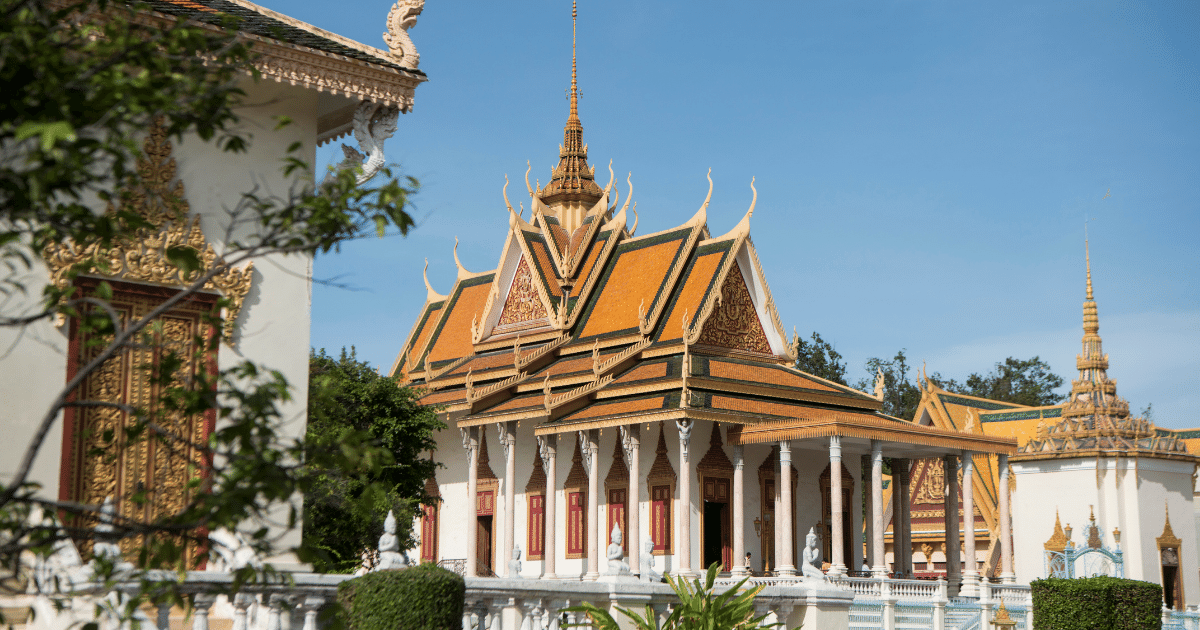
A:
{"x": 430, "y": 294}
{"x": 1058, "y": 539}
{"x": 742, "y": 229}
{"x": 160, "y": 200}
{"x": 402, "y": 17}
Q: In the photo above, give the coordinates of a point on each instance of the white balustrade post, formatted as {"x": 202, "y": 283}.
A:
{"x": 548, "y": 444}
{"x": 950, "y": 505}
{"x": 889, "y": 603}
{"x": 631, "y": 435}
{"x": 274, "y": 608}
{"x": 879, "y": 568}
{"x": 837, "y": 560}
{"x": 240, "y": 602}
{"x": 200, "y": 607}
{"x": 312, "y": 605}
{"x": 939, "y": 606}
{"x": 970, "y": 584}
{"x": 739, "y": 511}
{"x": 783, "y": 520}
{"x": 684, "y": 552}
{"x": 1006, "y": 552}
{"x": 164, "y": 616}
{"x": 471, "y": 444}
{"x": 985, "y": 606}
{"x": 508, "y": 441}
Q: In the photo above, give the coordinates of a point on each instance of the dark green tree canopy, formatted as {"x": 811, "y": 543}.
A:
{"x": 817, "y": 357}
{"x": 1021, "y": 381}
{"x": 344, "y": 515}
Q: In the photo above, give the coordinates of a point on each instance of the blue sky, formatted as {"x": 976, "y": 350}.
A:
{"x": 924, "y": 168}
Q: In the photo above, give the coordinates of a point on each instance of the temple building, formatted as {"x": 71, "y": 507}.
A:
{"x": 1127, "y": 484}
{"x": 598, "y": 378}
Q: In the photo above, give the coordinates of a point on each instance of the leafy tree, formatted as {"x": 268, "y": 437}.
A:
{"x": 900, "y": 395}
{"x": 817, "y": 357}
{"x": 1021, "y": 381}
{"x": 699, "y": 608}
{"x": 344, "y": 514}
{"x": 82, "y": 80}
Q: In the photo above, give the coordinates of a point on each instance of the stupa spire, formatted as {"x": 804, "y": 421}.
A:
{"x": 572, "y": 189}
{"x": 1093, "y": 395}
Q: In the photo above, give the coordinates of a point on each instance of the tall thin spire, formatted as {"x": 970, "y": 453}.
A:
{"x": 574, "y": 73}
{"x": 572, "y": 187}
{"x": 1093, "y": 395}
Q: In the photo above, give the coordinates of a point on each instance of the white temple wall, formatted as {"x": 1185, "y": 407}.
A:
{"x": 274, "y": 322}
{"x": 1040, "y": 491}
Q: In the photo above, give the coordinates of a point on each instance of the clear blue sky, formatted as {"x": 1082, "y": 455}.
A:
{"x": 924, "y": 168}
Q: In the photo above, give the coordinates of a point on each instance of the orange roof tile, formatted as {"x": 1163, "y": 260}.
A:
{"x": 763, "y": 374}
{"x": 485, "y": 362}
{"x": 519, "y": 402}
{"x": 770, "y": 408}
{"x": 644, "y": 371}
{"x": 547, "y": 271}
{"x": 616, "y": 407}
{"x": 593, "y": 254}
{"x": 444, "y": 397}
{"x": 634, "y": 280}
{"x": 427, "y": 326}
{"x": 690, "y": 298}
{"x": 454, "y": 334}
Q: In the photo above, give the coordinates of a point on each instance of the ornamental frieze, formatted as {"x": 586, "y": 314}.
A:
{"x": 159, "y": 198}
{"x": 734, "y": 322}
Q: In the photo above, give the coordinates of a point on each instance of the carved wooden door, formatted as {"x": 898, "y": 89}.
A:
{"x": 616, "y": 514}
{"x": 148, "y": 475}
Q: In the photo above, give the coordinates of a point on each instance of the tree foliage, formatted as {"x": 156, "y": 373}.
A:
{"x": 1022, "y": 381}
{"x": 818, "y": 357}
{"x": 343, "y": 514}
{"x": 900, "y": 394}
{"x": 699, "y": 608}
{"x": 82, "y": 81}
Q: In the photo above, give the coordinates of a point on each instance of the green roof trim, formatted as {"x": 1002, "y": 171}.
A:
{"x": 990, "y": 405}
{"x": 1025, "y": 414}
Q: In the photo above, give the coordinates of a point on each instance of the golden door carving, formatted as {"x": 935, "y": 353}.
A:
{"x": 148, "y": 476}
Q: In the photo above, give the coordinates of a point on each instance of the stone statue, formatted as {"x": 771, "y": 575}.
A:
{"x": 389, "y": 547}
{"x": 106, "y": 548}
{"x": 811, "y": 566}
{"x": 514, "y": 565}
{"x": 616, "y": 554}
{"x": 648, "y": 574}
{"x": 233, "y": 551}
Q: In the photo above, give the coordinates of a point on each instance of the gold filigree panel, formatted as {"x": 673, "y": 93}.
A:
{"x": 523, "y": 303}
{"x": 159, "y": 198}
{"x": 147, "y": 475}
{"x": 932, "y": 488}
{"x": 734, "y": 323}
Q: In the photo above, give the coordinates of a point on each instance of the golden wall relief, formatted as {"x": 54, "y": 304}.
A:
{"x": 932, "y": 488}
{"x": 159, "y": 198}
{"x": 734, "y": 322}
{"x": 147, "y": 475}
{"x": 523, "y": 303}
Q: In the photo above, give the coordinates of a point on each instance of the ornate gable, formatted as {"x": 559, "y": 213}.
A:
{"x": 734, "y": 322}
{"x": 523, "y": 303}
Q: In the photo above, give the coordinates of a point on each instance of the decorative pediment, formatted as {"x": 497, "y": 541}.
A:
{"x": 523, "y": 303}
{"x": 159, "y": 198}
{"x": 734, "y": 321}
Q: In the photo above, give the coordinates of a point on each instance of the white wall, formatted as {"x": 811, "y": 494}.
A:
{"x": 1128, "y": 493}
{"x": 274, "y": 323}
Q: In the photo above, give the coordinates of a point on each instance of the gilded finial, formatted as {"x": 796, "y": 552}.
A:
{"x": 1087, "y": 257}
{"x": 574, "y": 83}
{"x": 528, "y": 167}
{"x": 461, "y": 269}
{"x": 633, "y": 230}
{"x": 430, "y": 294}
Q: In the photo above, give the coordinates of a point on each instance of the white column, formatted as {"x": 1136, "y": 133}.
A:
{"x": 970, "y": 587}
{"x": 906, "y": 513}
{"x": 739, "y": 511}
{"x": 837, "y": 561}
{"x": 471, "y": 443}
{"x": 591, "y": 458}
{"x": 950, "y": 505}
{"x": 787, "y": 562}
{"x": 548, "y": 445}
{"x": 684, "y": 553}
{"x": 631, "y": 436}
{"x": 867, "y": 511}
{"x": 879, "y": 568}
{"x": 508, "y": 443}
{"x": 1006, "y": 552}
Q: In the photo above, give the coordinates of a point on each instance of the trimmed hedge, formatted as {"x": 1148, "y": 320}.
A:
{"x": 1096, "y": 603}
{"x": 424, "y": 597}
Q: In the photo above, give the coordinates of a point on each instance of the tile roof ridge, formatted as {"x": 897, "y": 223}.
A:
{"x": 743, "y": 227}
{"x": 315, "y": 30}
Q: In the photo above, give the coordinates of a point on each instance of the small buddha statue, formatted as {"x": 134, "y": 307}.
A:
{"x": 514, "y": 565}
{"x": 648, "y": 574}
{"x": 811, "y": 566}
{"x": 616, "y": 553}
{"x": 389, "y": 547}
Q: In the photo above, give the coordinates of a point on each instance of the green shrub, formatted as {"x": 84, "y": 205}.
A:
{"x": 424, "y": 597}
{"x": 1097, "y": 603}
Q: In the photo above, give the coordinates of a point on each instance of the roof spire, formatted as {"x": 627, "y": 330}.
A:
{"x": 572, "y": 182}
{"x": 574, "y": 82}
{"x": 1087, "y": 257}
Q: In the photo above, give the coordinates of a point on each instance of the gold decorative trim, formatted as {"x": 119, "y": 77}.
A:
{"x": 1058, "y": 539}
{"x": 160, "y": 199}
{"x": 1167, "y": 540}
{"x": 895, "y": 432}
